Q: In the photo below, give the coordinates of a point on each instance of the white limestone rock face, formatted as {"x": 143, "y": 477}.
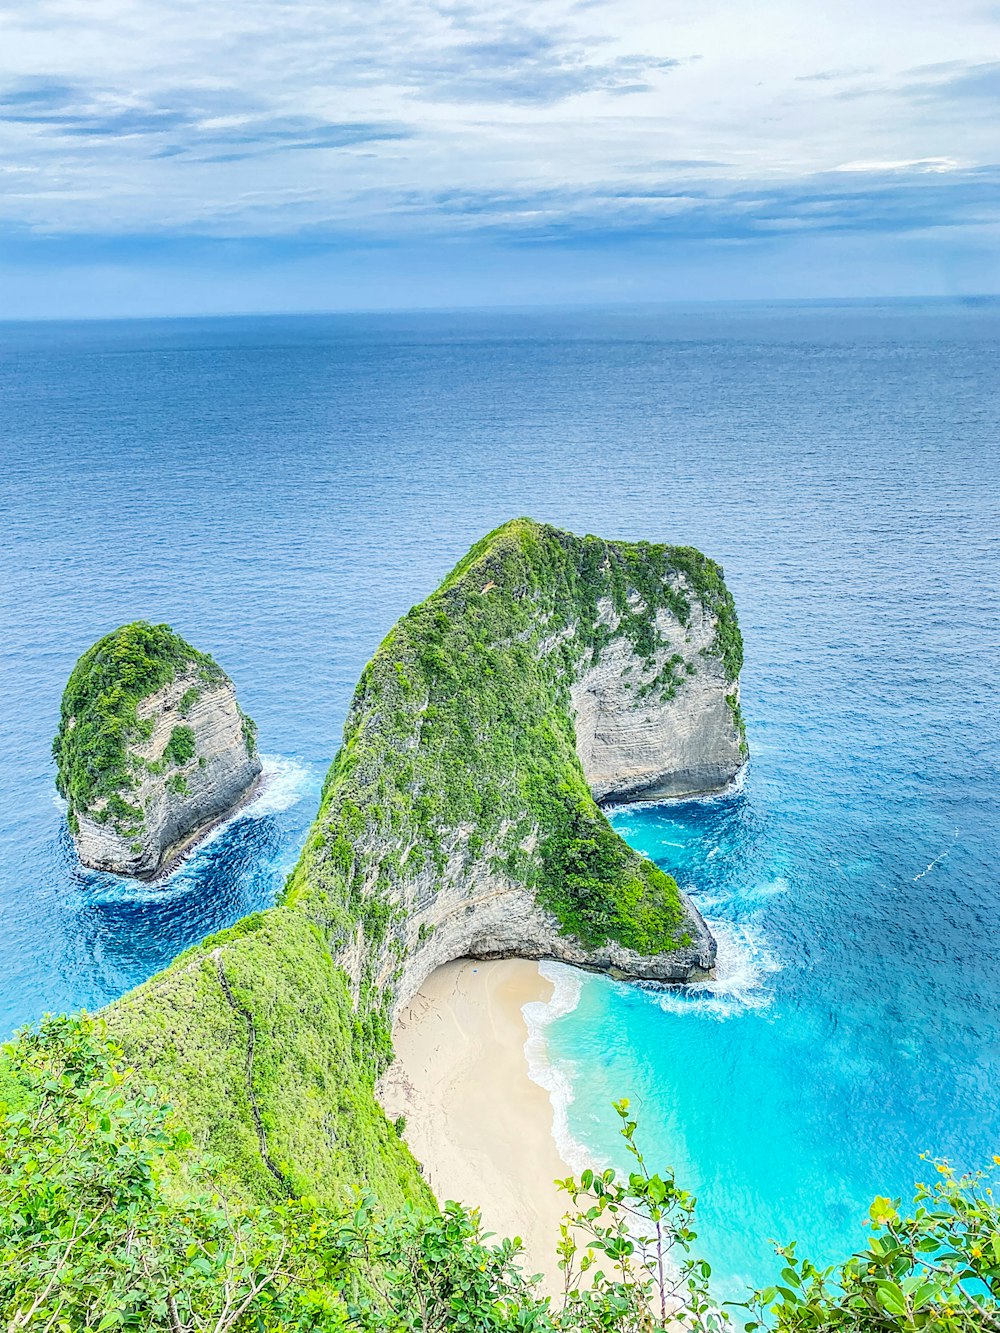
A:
{"x": 646, "y": 729}
{"x": 179, "y": 801}
{"x": 640, "y": 738}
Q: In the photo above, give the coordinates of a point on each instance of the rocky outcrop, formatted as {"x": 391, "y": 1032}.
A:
{"x": 184, "y": 754}
{"x": 549, "y": 671}
{"x": 491, "y": 915}
{"x": 458, "y": 818}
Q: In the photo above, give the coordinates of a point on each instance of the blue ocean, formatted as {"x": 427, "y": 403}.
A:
{"x": 280, "y": 490}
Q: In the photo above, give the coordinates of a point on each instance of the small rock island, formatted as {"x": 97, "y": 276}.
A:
{"x": 152, "y": 750}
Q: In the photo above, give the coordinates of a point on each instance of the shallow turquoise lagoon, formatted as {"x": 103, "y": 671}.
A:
{"x": 282, "y": 490}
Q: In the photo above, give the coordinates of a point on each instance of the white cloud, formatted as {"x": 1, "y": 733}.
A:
{"x": 907, "y": 164}
{"x": 283, "y": 115}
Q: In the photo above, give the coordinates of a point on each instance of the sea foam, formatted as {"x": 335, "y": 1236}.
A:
{"x": 567, "y": 985}
{"x": 284, "y": 783}
{"x": 740, "y": 981}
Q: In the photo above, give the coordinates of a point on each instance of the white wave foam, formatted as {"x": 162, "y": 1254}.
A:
{"x": 284, "y": 782}
{"x": 938, "y": 859}
{"x": 539, "y": 1014}
{"x": 740, "y": 980}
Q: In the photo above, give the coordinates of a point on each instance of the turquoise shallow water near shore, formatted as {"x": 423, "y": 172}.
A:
{"x": 281, "y": 490}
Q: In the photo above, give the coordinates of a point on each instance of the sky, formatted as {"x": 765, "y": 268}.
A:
{"x": 211, "y": 156}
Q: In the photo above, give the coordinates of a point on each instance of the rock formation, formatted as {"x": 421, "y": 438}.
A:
{"x": 152, "y": 750}
{"x": 459, "y": 817}
{"x": 549, "y": 670}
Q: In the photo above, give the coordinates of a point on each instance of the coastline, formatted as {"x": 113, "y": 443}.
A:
{"x": 475, "y": 1119}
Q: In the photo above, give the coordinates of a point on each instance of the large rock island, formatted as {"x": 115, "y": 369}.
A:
{"x": 459, "y": 817}
{"x": 152, "y": 749}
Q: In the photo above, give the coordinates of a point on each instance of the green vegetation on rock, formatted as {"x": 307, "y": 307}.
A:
{"x": 459, "y": 743}
{"x": 310, "y": 1083}
{"x": 180, "y": 747}
{"x": 196, "y": 1163}
{"x": 99, "y": 718}
{"x": 463, "y": 717}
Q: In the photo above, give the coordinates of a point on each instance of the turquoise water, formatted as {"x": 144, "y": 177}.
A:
{"x": 282, "y": 490}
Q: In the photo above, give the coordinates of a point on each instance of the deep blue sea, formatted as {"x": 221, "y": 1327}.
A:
{"x": 281, "y": 490}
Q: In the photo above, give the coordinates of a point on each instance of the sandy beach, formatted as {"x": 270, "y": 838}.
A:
{"x": 474, "y": 1119}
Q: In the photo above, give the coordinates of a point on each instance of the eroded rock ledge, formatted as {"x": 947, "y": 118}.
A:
{"x": 152, "y": 750}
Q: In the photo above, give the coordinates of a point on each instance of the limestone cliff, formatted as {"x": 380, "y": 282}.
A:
{"x": 547, "y": 671}
{"x": 152, "y": 749}
{"x": 683, "y": 741}
{"x": 459, "y": 817}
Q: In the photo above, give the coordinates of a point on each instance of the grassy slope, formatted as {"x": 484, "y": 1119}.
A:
{"x": 457, "y": 720}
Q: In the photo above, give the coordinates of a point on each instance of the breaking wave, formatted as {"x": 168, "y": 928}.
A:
{"x": 568, "y": 983}
{"x": 740, "y": 982}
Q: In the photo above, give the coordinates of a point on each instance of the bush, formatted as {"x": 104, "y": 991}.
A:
{"x": 110, "y": 1220}
{"x": 99, "y": 721}
{"x": 180, "y": 747}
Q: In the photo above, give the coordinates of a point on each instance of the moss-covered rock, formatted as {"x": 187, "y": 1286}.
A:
{"x": 152, "y": 749}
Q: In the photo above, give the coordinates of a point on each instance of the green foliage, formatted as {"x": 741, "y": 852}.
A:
{"x": 462, "y": 721}
{"x": 179, "y": 748}
{"x": 935, "y": 1268}
{"x": 460, "y": 743}
{"x": 188, "y": 700}
{"x": 597, "y": 888}
{"x": 99, "y": 721}
{"x": 313, "y": 1068}
{"x": 110, "y": 1218}
{"x": 177, "y": 783}
{"x": 249, "y": 727}
{"x": 734, "y": 707}
{"x": 109, "y": 1221}
{"x": 625, "y": 1251}
{"x": 13, "y": 1094}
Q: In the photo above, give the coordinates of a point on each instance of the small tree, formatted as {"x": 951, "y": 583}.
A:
{"x": 642, "y": 1225}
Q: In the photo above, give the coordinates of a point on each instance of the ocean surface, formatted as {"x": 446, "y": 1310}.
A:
{"x": 281, "y": 490}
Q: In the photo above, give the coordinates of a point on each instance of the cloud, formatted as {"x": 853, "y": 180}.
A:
{"x": 832, "y": 75}
{"x": 213, "y": 125}
{"x": 920, "y": 164}
{"x": 526, "y": 65}
{"x": 885, "y": 201}
{"x": 957, "y": 81}
{"x": 573, "y": 122}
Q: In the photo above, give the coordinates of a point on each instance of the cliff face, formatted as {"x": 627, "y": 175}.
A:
{"x": 684, "y": 742}
{"x": 152, "y": 750}
{"x": 459, "y": 818}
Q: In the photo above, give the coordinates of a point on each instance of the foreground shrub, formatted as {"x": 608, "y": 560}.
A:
{"x": 110, "y": 1220}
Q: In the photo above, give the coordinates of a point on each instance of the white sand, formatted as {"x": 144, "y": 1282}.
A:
{"x": 474, "y": 1119}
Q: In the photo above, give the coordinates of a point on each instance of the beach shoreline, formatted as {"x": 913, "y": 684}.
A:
{"x": 475, "y": 1120}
